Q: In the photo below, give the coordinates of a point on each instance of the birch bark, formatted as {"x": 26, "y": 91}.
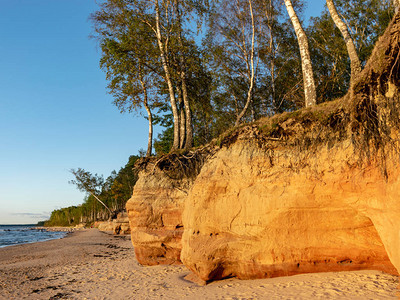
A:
{"x": 308, "y": 74}
{"x": 250, "y": 91}
{"x": 188, "y": 114}
{"x": 174, "y": 108}
{"x": 351, "y": 49}
{"x": 149, "y": 114}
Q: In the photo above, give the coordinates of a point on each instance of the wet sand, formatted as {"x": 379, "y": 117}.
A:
{"x": 89, "y": 264}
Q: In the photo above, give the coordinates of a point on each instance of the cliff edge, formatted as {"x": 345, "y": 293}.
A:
{"x": 314, "y": 190}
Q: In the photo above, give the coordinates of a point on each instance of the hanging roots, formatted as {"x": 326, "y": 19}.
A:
{"x": 179, "y": 165}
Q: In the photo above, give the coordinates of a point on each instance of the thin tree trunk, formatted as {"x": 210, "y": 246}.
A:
{"x": 97, "y": 198}
{"x": 250, "y": 91}
{"x": 351, "y": 49}
{"x": 272, "y": 70}
{"x": 308, "y": 74}
{"x": 182, "y": 118}
{"x": 188, "y": 114}
{"x": 269, "y": 16}
{"x": 273, "y": 88}
{"x": 168, "y": 78}
{"x": 182, "y": 121}
{"x": 149, "y": 114}
{"x": 236, "y": 105}
{"x": 150, "y": 138}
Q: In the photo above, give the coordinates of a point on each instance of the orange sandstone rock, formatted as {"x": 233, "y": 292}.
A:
{"x": 251, "y": 216}
{"x": 120, "y": 225}
{"x": 155, "y": 214}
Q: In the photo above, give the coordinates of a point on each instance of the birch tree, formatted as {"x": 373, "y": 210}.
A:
{"x": 128, "y": 58}
{"x": 279, "y": 58}
{"x": 250, "y": 66}
{"x": 233, "y": 41}
{"x": 92, "y": 184}
{"x": 308, "y": 75}
{"x": 163, "y": 45}
{"x": 186, "y": 116}
{"x": 351, "y": 49}
{"x": 146, "y": 106}
{"x": 164, "y": 21}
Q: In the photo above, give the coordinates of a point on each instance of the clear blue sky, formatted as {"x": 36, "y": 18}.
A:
{"x": 55, "y": 113}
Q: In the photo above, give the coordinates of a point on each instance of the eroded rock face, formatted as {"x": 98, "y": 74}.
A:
{"x": 253, "y": 213}
{"x": 120, "y": 225}
{"x": 155, "y": 214}
{"x": 314, "y": 191}
{"x": 324, "y": 195}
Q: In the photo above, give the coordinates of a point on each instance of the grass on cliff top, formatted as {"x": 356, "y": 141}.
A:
{"x": 321, "y": 114}
{"x": 291, "y": 127}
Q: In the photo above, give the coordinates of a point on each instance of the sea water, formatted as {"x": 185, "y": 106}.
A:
{"x": 24, "y": 234}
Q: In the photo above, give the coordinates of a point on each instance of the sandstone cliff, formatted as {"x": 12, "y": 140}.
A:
{"x": 120, "y": 225}
{"x": 155, "y": 213}
{"x": 251, "y": 214}
{"x": 309, "y": 191}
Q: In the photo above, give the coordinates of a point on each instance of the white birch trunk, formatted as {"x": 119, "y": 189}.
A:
{"x": 250, "y": 91}
{"x": 150, "y": 138}
{"x": 97, "y": 198}
{"x": 351, "y": 49}
{"x": 308, "y": 74}
{"x": 174, "y": 108}
{"x": 188, "y": 114}
{"x": 149, "y": 114}
{"x": 182, "y": 119}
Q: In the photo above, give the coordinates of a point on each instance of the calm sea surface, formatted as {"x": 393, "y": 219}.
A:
{"x": 23, "y": 234}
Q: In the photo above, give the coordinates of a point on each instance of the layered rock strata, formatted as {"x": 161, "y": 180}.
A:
{"x": 120, "y": 225}
{"x": 319, "y": 190}
{"x": 251, "y": 215}
{"x": 155, "y": 213}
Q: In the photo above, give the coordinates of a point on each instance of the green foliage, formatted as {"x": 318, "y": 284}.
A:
{"x": 115, "y": 191}
{"x": 86, "y": 182}
{"x": 129, "y": 55}
{"x": 163, "y": 143}
{"x": 366, "y": 21}
{"x": 68, "y": 216}
{"x": 330, "y": 58}
{"x": 278, "y": 80}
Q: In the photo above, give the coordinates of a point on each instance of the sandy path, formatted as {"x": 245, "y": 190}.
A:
{"x": 93, "y": 265}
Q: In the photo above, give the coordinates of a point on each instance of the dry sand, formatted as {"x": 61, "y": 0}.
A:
{"x": 90, "y": 264}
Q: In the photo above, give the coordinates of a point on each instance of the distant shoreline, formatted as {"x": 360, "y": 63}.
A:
{"x": 12, "y": 235}
{"x": 18, "y": 224}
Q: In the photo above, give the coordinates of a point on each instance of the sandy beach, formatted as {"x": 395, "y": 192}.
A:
{"x": 90, "y": 264}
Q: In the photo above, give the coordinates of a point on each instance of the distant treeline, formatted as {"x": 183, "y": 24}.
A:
{"x": 114, "y": 191}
